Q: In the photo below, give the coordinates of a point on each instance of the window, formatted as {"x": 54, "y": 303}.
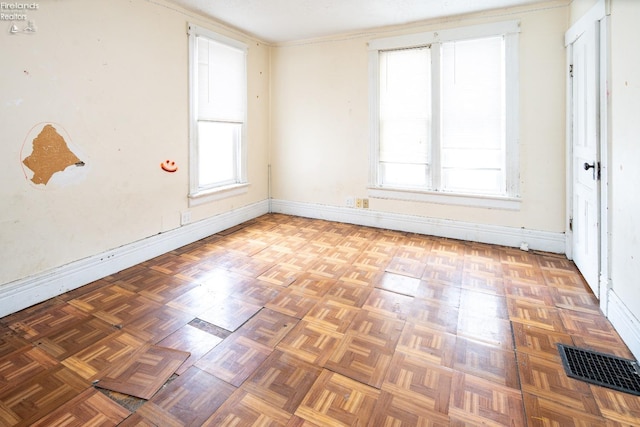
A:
{"x": 444, "y": 116}
{"x": 217, "y": 115}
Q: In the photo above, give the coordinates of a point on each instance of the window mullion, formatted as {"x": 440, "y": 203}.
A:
{"x": 436, "y": 118}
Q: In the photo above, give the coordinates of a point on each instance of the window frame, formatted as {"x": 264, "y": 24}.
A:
{"x": 198, "y": 193}
{"x": 510, "y": 31}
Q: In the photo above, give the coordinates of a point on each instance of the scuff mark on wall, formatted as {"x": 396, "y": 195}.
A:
{"x": 50, "y": 155}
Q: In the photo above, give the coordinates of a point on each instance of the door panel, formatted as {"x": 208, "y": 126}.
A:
{"x": 585, "y": 160}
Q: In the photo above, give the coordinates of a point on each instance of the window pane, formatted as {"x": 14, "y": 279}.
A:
{"x": 217, "y": 153}
{"x": 405, "y": 114}
{"x": 221, "y": 77}
{"x": 472, "y": 181}
{"x": 473, "y": 115}
{"x": 404, "y": 175}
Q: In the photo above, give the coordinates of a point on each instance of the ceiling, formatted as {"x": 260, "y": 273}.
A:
{"x": 278, "y": 21}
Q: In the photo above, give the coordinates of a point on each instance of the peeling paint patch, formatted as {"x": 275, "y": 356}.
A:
{"x": 50, "y": 154}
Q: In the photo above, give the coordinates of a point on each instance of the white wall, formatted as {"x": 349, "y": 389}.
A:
{"x": 625, "y": 153}
{"x": 114, "y": 75}
{"x": 320, "y": 131}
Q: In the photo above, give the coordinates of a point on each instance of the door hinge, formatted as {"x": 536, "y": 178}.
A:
{"x": 598, "y": 172}
{"x": 571, "y": 70}
{"x": 570, "y": 224}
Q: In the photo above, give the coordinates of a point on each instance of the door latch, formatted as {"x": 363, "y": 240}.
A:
{"x": 596, "y": 169}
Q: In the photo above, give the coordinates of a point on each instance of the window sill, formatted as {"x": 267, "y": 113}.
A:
{"x": 219, "y": 193}
{"x": 473, "y": 200}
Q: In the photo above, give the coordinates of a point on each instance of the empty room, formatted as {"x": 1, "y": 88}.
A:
{"x": 319, "y": 213}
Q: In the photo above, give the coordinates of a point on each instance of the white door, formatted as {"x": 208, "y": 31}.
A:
{"x": 585, "y": 141}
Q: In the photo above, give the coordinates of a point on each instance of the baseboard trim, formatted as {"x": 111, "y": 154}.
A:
{"x": 625, "y": 323}
{"x": 23, "y": 293}
{"x": 498, "y": 235}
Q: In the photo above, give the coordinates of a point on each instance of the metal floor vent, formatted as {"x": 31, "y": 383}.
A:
{"x": 601, "y": 369}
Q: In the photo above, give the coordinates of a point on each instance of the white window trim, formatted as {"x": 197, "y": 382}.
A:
{"x": 197, "y": 194}
{"x": 511, "y": 30}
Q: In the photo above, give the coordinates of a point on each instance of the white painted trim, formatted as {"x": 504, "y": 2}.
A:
{"x": 23, "y": 293}
{"x": 596, "y": 13}
{"x": 493, "y": 234}
{"x": 625, "y": 323}
{"x": 507, "y": 203}
{"x": 218, "y": 193}
{"x": 460, "y": 33}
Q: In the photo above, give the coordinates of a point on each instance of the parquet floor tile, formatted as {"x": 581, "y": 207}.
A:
{"x": 257, "y": 292}
{"x": 194, "y": 301}
{"x": 537, "y": 315}
{"x": 429, "y": 344}
{"x": 293, "y": 303}
{"x": 361, "y": 275}
{"x": 486, "y": 361}
{"x": 623, "y": 408}
{"x": 282, "y": 380}
{"x": 268, "y": 327}
{"x": 361, "y": 357}
{"x": 335, "y": 400}
{"x": 10, "y": 342}
{"x": 22, "y": 364}
{"x": 74, "y": 338}
{"x": 158, "y": 324}
{"x": 489, "y": 330}
{"x": 477, "y": 401}
{"x": 144, "y": 373}
{"x": 311, "y": 342}
{"x": 312, "y": 284}
{"x": 539, "y": 342}
{"x": 389, "y": 303}
{"x": 234, "y": 359}
{"x": 546, "y": 379}
{"x": 94, "y": 360}
{"x": 433, "y": 315}
{"x": 297, "y": 322}
{"x": 399, "y": 411}
{"x": 348, "y": 294}
{"x": 483, "y": 304}
{"x": 245, "y": 409}
{"x": 532, "y": 291}
{"x": 163, "y": 288}
{"x": 229, "y": 313}
{"x": 102, "y": 298}
{"x": 376, "y": 259}
{"x": 439, "y": 293}
{"x": 48, "y": 321}
{"x": 333, "y": 315}
{"x": 404, "y": 285}
{"x": 188, "y": 400}
{"x": 425, "y": 385}
{"x": 545, "y": 412}
{"x": 91, "y": 408}
{"x": 483, "y": 281}
{"x": 33, "y": 398}
{"x": 125, "y": 312}
{"x": 192, "y": 340}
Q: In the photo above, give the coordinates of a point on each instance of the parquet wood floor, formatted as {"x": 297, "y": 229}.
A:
{"x": 287, "y": 321}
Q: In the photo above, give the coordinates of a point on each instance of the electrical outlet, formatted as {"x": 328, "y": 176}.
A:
{"x": 350, "y": 202}
{"x": 359, "y": 203}
{"x": 365, "y": 203}
{"x": 185, "y": 217}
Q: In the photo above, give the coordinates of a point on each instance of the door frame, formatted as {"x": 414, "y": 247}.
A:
{"x": 599, "y": 13}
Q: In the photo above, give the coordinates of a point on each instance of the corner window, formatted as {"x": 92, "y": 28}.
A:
{"x": 444, "y": 116}
{"x": 218, "y": 81}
